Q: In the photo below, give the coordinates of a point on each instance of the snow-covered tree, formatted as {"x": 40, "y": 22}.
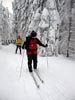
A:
{"x": 37, "y": 15}
{"x": 66, "y": 9}
{"x": 4, "y": 24}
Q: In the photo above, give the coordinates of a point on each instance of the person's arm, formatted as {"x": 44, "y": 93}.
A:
{"x": 39, "y": 43}
{"x": 16, "y": 41}
{"x": 24, "y": 44}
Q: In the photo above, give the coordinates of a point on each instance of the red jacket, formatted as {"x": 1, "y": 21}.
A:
{"x": 31, "y": 45}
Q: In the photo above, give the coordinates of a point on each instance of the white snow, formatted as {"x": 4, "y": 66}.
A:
{"x": 45, "y": 12}
{"x": 43, "y": 25}
{"x": 58, "y": 76}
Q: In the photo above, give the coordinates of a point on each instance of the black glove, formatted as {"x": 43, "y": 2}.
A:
{"x": 46, "y": 45}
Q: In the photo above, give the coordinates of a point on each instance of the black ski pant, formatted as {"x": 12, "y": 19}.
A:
{"x": 32, "y": 60}
{"x": 18, "y": 47}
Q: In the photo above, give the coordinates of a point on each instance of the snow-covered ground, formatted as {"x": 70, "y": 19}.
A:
{"x": 58, "y": 76}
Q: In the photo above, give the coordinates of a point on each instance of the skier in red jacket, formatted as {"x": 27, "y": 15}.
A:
{"x": 31, "y": 49}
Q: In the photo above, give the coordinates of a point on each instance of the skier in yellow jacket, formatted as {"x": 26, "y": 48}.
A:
{"x": 18, "y": 44}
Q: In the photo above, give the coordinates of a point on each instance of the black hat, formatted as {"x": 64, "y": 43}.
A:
{"x": 33, "y": 34}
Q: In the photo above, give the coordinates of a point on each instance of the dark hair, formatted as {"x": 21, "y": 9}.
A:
{"x": 33, "y": 34}
{"x": 18, "y": 36}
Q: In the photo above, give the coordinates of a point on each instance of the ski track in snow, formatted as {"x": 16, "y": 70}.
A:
{"x": 58, "y": 76}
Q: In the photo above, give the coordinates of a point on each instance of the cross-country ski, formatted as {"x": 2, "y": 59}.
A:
{"x": 35, "y": 81}
{"x": 36, "y": 72}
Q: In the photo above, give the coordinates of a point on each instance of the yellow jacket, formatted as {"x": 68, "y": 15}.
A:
{"x": 18, "y": 41}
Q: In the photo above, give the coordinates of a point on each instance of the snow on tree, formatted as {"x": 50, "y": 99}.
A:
{"x": 66, "y": 11}
{"x": 37, "y": 15}
{"x": 4, "y": 24}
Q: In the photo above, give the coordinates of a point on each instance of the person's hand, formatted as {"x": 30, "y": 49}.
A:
{"x": 46, "y": 45}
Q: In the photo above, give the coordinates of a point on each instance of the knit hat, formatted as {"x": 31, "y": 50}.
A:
{"x": 33, "y": 34}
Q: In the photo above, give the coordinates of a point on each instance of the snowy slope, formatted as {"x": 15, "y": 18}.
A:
{"x": 58, "y": 76}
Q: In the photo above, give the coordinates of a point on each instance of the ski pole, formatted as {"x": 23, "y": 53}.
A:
{"x": 21, "y": 64}
{"x": 47, "y": 52}
{"x": 47, "y": 60}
